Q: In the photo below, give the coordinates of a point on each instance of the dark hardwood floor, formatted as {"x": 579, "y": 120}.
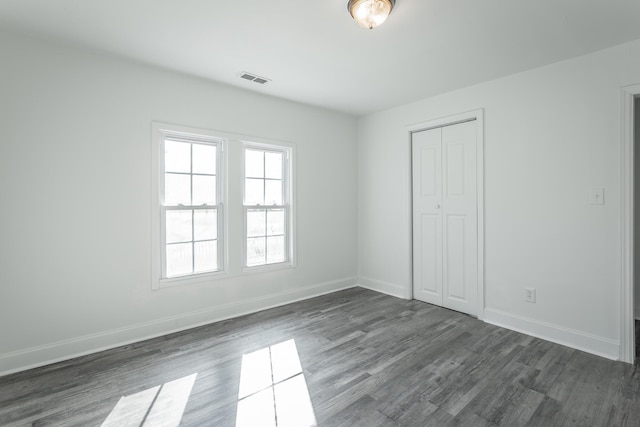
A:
{"x": 353, "y": 358}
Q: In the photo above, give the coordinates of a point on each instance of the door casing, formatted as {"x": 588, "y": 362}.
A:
{"x": 627, "y": 318}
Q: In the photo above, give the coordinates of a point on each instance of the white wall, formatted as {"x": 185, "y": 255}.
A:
{"x": 75, "y": 246}
{"x": 551, "y": 134}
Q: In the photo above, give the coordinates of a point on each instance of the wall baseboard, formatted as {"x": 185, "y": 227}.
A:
{"x": 68, "y": 349}
{"x": 392, "y": 289}
{"x": 593, "y": 344}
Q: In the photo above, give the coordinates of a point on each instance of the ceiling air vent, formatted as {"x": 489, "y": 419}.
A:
{"x": 254, "y": 78}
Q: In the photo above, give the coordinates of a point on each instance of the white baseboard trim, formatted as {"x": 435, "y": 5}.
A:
{"x": 67, "y": 349}
{"x": 392, "y": 289}
{"x": 589, "y": 343}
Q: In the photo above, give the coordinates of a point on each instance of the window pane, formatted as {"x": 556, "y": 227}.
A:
{"x": 273, "y": 165}
{"x": 253, "y": 191}
{"x": 205, "y": 225}
{"x": 178, "y": 226}
{"x": 179, "y": 259}
{"x": 204, "y": 190}
{"x": 253, "y": 163}
{"x": 275, "y": 249}
{"x": 177, "y": 156}
{"x": 204, "y": 159}
{"x": 255, "y": 251}
{"x": 256, "y": 222}
{"x": 205, "y": 256}
{"x": 273, "y": 192}
{"x": 275, "y": 222}
{"x": 177, "y": 189}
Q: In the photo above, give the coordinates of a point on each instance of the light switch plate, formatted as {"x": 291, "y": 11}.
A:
{"x": 596, "y": 196}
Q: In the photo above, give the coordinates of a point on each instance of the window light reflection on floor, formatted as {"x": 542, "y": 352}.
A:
{"x": 162, "y": 405}
{"x": 273, "y": 390}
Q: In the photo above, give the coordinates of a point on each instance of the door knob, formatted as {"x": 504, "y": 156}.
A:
{"x": 437, "y": 206}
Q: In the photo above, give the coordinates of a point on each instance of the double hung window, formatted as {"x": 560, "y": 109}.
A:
{"x": 266, "y": 205}
{"x": 190, "y": 206}
{"x": 198, "y": 236}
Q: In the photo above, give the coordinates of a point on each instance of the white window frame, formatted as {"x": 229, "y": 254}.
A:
{"x": 288, "y": 205}
{"x": 195, "y": 136}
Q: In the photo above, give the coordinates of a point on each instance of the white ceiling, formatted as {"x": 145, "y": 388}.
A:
{"x": 314, "y": 52}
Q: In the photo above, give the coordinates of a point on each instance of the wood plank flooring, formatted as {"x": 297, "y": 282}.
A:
{"x": 366, "y": 359}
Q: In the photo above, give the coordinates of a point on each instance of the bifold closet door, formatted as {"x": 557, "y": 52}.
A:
{"x": 445, "y": 219}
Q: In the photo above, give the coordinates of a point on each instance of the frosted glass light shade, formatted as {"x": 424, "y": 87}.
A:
{"x": 370, "y": 13}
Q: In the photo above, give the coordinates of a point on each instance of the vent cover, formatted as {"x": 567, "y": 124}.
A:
{"x": 253, "y": 78}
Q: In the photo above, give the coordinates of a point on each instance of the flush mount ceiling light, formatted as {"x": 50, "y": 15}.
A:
{"x": 370, "y": 13}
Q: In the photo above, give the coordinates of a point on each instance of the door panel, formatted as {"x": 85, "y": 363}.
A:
{"x": 429, "y": 182}
{"x": 445, "y": 229}
{"x": 455, "y": 169}
{"x": 460, "y": 253}
{"x": 454, "y": 268}
{"x": 431, "y": 259}
{"x": 427, "y": 220}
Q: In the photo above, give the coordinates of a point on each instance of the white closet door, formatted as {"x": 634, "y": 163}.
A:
{"x": 427, "y": 216}
{"x": 445, "y": 224}
{"x": 460, "y": 218}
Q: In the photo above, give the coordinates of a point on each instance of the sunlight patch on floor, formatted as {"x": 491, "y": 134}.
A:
{"x": 273, "y": 390}
{"x": 161, "y": 406}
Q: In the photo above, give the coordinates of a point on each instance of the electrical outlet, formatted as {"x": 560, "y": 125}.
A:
{"x": 529, "y": 294}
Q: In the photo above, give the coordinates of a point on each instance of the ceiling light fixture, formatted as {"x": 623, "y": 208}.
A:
{"x": 370, "y": 13}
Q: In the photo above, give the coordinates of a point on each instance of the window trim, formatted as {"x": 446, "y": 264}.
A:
{"x": 288, "y": 205}
{"x": 160, "y": 132}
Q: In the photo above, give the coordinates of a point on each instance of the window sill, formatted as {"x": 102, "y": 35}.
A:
{"x": 269, "y": 267}
{"x": 219, "y": 275}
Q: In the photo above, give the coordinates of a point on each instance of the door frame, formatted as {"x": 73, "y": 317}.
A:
{"x": 478, "y": 116}
{"x": 627, "y": 303}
